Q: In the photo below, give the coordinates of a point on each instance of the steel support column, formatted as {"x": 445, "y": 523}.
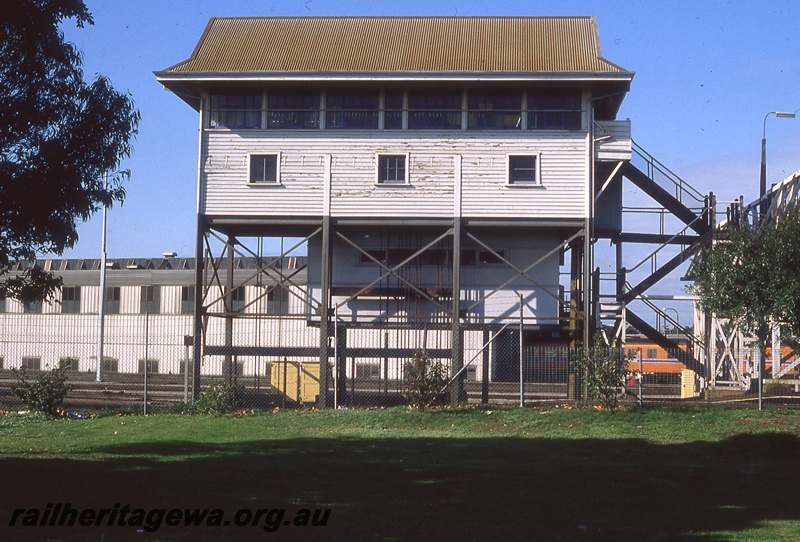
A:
{"x": 575, "y": 319}
{"x": 227, "y": 366}
{"x": 458, "y": 393}
{"x": 324, "y": 310}
{"x": 198, "y": 312}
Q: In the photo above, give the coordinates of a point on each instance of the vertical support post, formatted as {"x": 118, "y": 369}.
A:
{"x": 761, "y": 365}
{"x": 227, "y": 367}
{"x": 708, "y": 317}
{"x": 197, "y": 346}
{"x": 485, "y": 368}
{"x": 762, "y": 181}
{"x": 341, "y": 361}
{"x": 586, "y": 295}
{"x": 199, "y": 252}
{"x": 640, "y": 379}
{"x": 521, "y": 354}
{"x": 458, "y": 393}
{"x": 146, "y": 356}
{"x": 576, "y": 257}
{"x": 187, "y": 342}
{"x": 336, "y": 357}
{"x": 776, "y": 349}
{"x": 324, "y": 309}
{"x": 622, "y": 277}
{"x": 102, "y": 311}
{"x": 386, "y": 360}
{"x": 588, "y": 253}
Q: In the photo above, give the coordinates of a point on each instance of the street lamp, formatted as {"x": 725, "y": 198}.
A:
{"x": 764, "y": 206}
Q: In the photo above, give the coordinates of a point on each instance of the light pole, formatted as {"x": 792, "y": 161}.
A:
{"x": 764, "y": 205}
{"x": 102, "y": 309}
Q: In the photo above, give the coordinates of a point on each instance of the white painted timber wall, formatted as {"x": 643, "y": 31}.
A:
{"x": 432, "y": 174}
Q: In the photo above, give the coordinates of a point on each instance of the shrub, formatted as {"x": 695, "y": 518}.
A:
{"x": 218, "y": 398}
{"x": 423, "y": 379}
{"x": 603, "y": 368}
{"x": 45, "y": 393}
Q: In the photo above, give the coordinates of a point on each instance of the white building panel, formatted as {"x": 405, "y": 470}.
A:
{"x": 431, "y": 163}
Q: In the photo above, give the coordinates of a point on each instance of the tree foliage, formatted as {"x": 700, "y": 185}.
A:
{"x": 603, "y": 369}
{"x": 46, "y": 392}
{"x": 782, "y": 260}
{"x": 752, "y": 276}
{"x": 423, "y": 379}
{"x": 59, "y": 135}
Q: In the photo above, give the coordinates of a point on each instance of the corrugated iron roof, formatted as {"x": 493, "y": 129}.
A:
{"x": 398, "y": 44}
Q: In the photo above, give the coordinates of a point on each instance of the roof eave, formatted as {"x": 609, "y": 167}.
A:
{"x": 216, "y": 76}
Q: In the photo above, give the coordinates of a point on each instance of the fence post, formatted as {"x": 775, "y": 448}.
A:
{"x": 336, "y": 357}
{"x": 188, "y": 340}
{"x": 641, "y": 379}
{"x": 146, "y": 354}
{"x": 521, "y": 356}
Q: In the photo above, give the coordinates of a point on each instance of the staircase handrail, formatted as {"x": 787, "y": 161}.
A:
{"x": 681, "y": 186}
{"x": 694, "y": 339}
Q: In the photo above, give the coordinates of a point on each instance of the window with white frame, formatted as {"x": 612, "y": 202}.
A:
{"x": 523, "y": 170}
{"x": 264, "y": 169}
{"x": 392, "y": 169}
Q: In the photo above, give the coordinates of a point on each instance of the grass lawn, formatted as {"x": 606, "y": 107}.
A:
{"x": 471, "y": 474}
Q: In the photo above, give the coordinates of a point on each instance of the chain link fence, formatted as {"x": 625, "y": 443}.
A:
{"x": 275, "y": 362}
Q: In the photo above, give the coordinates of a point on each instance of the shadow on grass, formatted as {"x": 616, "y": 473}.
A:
{"x": 428, "y": 489}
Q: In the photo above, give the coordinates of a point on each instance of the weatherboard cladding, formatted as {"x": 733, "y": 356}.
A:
{"x": 398, "y": 44}
{"x": 432, "y": 174}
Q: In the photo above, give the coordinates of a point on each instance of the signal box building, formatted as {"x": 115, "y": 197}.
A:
{"x": 439, "y": 172}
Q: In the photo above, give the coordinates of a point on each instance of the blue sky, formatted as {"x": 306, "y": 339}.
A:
{"x": 706, "y": 74}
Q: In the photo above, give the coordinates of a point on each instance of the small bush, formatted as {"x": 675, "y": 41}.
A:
{"x": 603, "y": 368}
{"x": 218, "y": 398}
{"x": 45, "y": 393}
{"x": 423, "y": 379}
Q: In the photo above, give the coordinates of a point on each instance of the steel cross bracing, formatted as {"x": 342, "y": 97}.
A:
{"x": 683, "y": 225}
{"x": 781, "y": 198}
{"x": 223, "y": 275}
{"x": 267, "y": 269}
{"x": 223, "y": 250}
{"x": 729, "y": 346}
{"x": 393, "y": 271}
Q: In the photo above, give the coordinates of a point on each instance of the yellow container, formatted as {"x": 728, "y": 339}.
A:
{"x": 687, "y": 384}
{"x": 297, "y": 380}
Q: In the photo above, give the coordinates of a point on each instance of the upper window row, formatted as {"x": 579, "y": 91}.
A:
{"x": 149, "y": 302}
{"x": 389, "y": 110}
